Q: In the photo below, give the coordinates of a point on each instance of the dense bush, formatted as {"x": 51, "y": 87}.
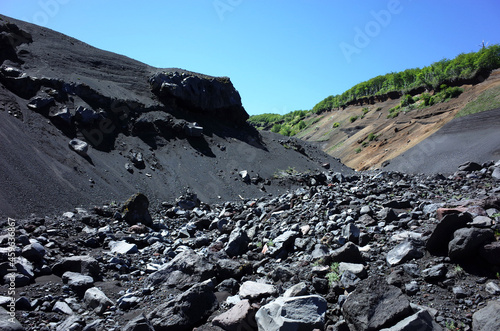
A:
{"x": 407, "y": 100}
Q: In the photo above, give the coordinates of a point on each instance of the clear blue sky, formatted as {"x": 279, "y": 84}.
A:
{"x": 280, "y": 55}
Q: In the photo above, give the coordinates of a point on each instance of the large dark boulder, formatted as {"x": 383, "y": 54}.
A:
{"x": 375, "y": 305}
{"x": 186, "y": 310}
{"x": 135, "y": 210}
{"x": 437, "y": 244}
{"x": 467, "y": 242}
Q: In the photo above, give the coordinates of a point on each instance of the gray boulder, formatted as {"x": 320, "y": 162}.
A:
{"x": 139, "y": 323}
{"x": 434, "y": 273}
{"x": 421, "y": 321}
{"x": 375, "y": 305}
{"x": 347, "y": 253}
{"x": 408, "y": 250}
{"x": 77, "y": 282}
{"x": 488, "y": 318}
{"x": 8, "y": 321}
{"x": 183, "y": 271}
{"x": 122, "y": 247}
{"x": 239, "y": 317}
{"x": 437, "y": 244}
{"x": 186, "y": 310}
{"x": 79, "y": 146}
{"x": 83, "y": 264}
{"x": 96, "y": 299}
{"x": 237, "y": 243}
{"x": 467, "y": 241}
{"x": 256, "y": 290}
{"x": 135, "y": 210}
{"x": 295, "y": 313}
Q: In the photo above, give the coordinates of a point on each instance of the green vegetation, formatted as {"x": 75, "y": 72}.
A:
{"x": 371, "y": 137}
{"x": 334, "y": 274}
{"x": 336, "y": 125}
{"x": 357, "y": 150}
{"x": 287, "y": 125}
{"x": 489, "y": 99}
{"x": 463, "y": 67}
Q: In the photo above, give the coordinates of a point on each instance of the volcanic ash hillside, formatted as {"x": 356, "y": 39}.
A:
{"x": 80, "y": 126}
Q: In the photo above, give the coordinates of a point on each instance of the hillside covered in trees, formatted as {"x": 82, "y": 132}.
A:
{"x": 465, "y": 68}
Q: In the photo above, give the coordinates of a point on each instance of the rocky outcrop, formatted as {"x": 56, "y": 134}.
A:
{"x": 213, "y": 96}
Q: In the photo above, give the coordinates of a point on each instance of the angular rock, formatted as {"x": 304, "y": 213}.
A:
{"x": 34, "y": 252}
{"x": 62, "y": 308}
{"x": 254, "y": 290}
{"x": 135, "y": 210}
{"x": 296, "y": 290}
{"x": 77, "y": 282}
{"x": 387, "y": 214}
{"x": 62, "y": 115}
{"x": 122, "y": 247}
{"x": 283, "y": 242}
{"x": 183, "y": 271}
{"x": 245, "y": 177}
{"x": 437, "y": 244}
{"x": 467, "y": 241}
{"x": 8, "y": 322}
{"x": 296, "y": 313}
{"x": 492, "y": 288}
{"x": 96, "y": 299}
{"x": 186, "y": 310}
{"x": 375, "y": 305}
{"x": 356, "y": 268}
{"x": 470, "y": 166}
{"x": 347, "y": 253}
{"x": 239, "y": 317}
{"x": 139, "y": 323}
{"x": 86, "y": 115}
{"x": 351, "y": 232}
{"x": 421, "y": 321}
{"x": 237, "y": 243}
{"x": 406, "y": 251}
{"x": 73, "y": 322}
{"x": 193, "y": 130}
{"x": 83, "y": 264}
{"x": 481, "y": 222}
{"x": 434, "y": 273}
{"x": 79, "y": 146}
{"x": 488, "y": 318}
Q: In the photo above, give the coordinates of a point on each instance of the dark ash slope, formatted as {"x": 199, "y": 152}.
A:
{"x": 41, "y": 174}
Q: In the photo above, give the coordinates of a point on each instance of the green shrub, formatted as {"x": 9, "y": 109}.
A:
{"x": 427, "y": 99}
{"x": 357, "y": 150}
{"x": 301, "y": 125}
{"x": 353, "y": 119}
{"x": 365, "y": 110}
{"x": 336, "y": 125}
{"x": 452, "y": 92}
{"x": 407, "y": 100}
{"x": 276, "y": 128}
{"x": 371, "y": 137}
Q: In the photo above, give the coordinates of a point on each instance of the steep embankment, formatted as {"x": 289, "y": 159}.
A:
{"x": 372, "y": 138}
{"x": 138, "y": 122}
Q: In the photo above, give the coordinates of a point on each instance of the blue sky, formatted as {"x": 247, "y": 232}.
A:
{"x": 280, "y": 55}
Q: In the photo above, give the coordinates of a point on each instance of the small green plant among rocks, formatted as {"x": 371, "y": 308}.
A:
{"x": 334, "y": 274}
